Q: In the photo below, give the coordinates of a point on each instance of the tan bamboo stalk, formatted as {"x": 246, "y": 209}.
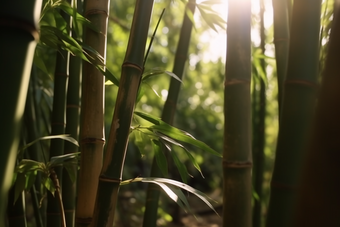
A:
{"x": 132, "y": 69}
{"x": 92, "y": 136}
{"x": 237, "y": 157}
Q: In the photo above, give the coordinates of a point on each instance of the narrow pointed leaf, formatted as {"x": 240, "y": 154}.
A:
{"x": 160, "y": 157}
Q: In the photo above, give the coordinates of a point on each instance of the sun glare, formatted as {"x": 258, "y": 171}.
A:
{"x": 217, "y": 41}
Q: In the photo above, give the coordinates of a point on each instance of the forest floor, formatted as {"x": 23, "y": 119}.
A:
{"x": 204, "y": 216}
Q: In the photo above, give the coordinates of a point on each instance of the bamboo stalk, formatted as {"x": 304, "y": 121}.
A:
{"x": 58, "y": 122}
{"x": 72, "y": 128}
{"x": 318, "y": 197}
{"x": 92, "y": 136}
{"x": 19, "y": 35}
{"x": 281, "y": 41}
{"x": 153, "y": 191}
{"x": 259, "y": 132}
{"x": 237, "y": 157}
{"x": 297, "y": 110}
{"x": 16, "y": 212}
{"x": 111, "y": 173}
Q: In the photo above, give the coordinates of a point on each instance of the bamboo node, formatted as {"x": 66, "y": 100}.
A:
{"x": 20, "y": 24}
{"x": 235, "y": 81}
{"x": 110, "y": 180}
{"x": 237, "y": 165}
{"x": 131, "y": 64}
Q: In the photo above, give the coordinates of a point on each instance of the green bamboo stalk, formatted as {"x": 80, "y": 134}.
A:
{"x": 318, "y": 201}
{"x": 19, "y": 35}
{"x": 281, "y": 41}
{"x": 153, "y": 191}
{"x": 259, "y": 133}
{"x": 297, "y": 110}
{"x": 72, "y": 128}
{"x": 16, "y": 212}
{"x": 132, "y": 69}
{"x": 237, "y": 157}
{"x": 58, "y": 121}
{"x": 92, "y": 136}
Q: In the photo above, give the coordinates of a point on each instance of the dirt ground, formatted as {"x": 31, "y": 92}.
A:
{"x": 204, "y": 216}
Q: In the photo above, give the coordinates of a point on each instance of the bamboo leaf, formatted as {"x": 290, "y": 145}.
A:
{"x": 182, "y": 169}
{"x": 64, "y": 137}
{"x": 30, "y": 179}
{"x": 175, "y": 133}
{"x": 191, "y": 158}
{"x": 174, "y": 183}
{"x": 19, "y": 186}
{"x": 150, "y": 118}
{"x": 49, "y": 185}
{"x": 159, "y": 71}
{"x": 59, "y": 160}
{"x": 27, "y": 165}
{"x": 160, "y": 157}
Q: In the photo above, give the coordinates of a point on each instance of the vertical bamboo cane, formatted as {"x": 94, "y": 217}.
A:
{"x": 318, "y": 197}
{"x": 259, "y": 132}
{"x": 92, "y": 136}
{"x": 111, "y": 174}
{"x": 281, "y": 41}
{"x": 297, "y": 110}
{"x": 237, "y": 158}
{"x": 58, "y": 122}
{"x": 19, "y": 35}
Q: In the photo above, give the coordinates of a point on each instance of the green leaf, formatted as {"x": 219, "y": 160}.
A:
{"x": 19, "y": 186}
{"x": 148, "y": 117}
{"x": 49, "y": 185}
{"x": 30, "y": 179}
{"x": 61, "y": 159}
{"x": 160, "y": 157}
{"x": 28, "y": 165}
{"x": 174, "y": 183}
{"x": 175, "y": 133}
{"x": 211, "y": 2}
{"x": 191, "y": 158}
{"x": 64, "y": 137}
{"x": 182, "y": 169}
{"x": 109, "y": 75}
{"x": 159, "y": 71}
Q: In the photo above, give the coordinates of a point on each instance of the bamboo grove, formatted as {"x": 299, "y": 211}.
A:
{"x": 95, "y": 95}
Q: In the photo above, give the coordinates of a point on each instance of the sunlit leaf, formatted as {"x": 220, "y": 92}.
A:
{"x": 178, "y": 184}
{"x": 160, "y": 157}
{"x": 64, "y": 137}
{"x": 148, "y": 117}
{"x": 27, "y": 165}
{"x": 191, "y": 158}
{"x": 60, "y": 159}
{"x": 159, "y": 71}
{"x": 175, "y": 133}
{"x": 48, "y": 183}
